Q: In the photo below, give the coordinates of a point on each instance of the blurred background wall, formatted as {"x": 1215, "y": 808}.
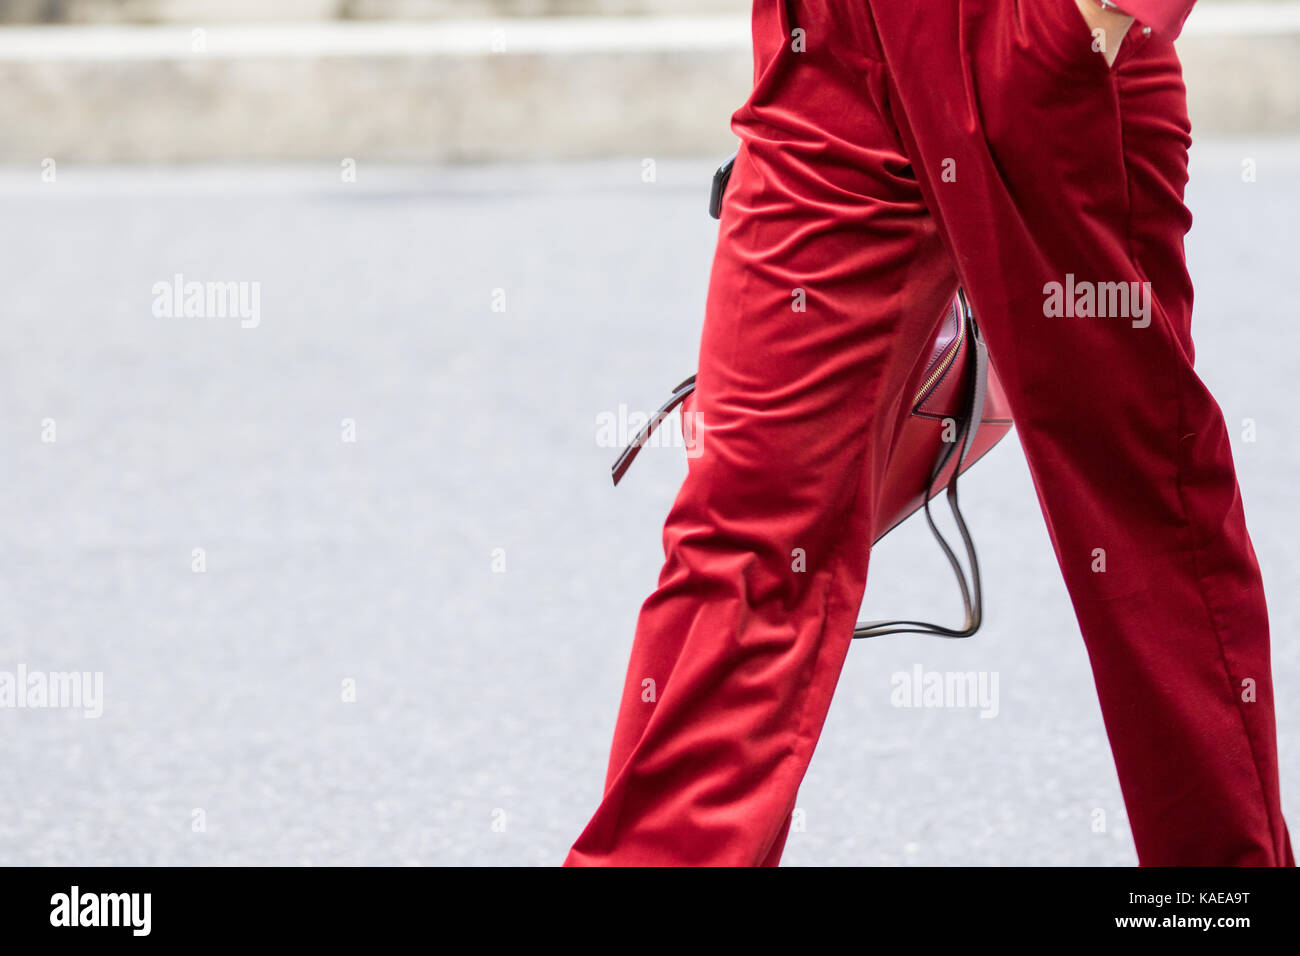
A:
{"x": 466, "y": 80}
{"x": 156, "y": 11}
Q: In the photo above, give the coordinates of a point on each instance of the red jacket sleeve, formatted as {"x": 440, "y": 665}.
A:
{"x": 1164, "y": 17}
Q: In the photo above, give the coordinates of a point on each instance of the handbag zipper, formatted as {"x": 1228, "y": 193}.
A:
{"x": 944, "y": 362}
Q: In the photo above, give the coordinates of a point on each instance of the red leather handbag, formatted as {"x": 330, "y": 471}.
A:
{"x": 957, "y": 413}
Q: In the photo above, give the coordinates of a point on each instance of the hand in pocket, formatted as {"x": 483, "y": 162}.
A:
{"x": 1112, "y": 23}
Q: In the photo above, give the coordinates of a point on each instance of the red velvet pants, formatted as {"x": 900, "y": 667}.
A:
{"x": 890, "y": 150}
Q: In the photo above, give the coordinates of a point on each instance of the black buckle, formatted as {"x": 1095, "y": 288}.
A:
{"x": 720, "y": 179}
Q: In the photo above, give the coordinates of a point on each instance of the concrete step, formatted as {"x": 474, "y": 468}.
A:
{"x": 453, "y": 90}
{"x": 252, "y": 11}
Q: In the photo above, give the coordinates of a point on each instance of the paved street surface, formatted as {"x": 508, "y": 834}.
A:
{"x": 465, "y": 565}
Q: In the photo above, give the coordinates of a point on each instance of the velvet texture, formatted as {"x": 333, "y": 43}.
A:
{"x": 890, "y": 150}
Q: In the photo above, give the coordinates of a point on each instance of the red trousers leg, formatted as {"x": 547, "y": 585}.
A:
{"x": 829, "y": 278}
{"x": 1063, "y": 167}
{"x": 887, "y": 145}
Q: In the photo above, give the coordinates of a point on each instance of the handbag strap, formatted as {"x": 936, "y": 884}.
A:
{"x": 971, "y": 593}
{"x": 628, "y": 455}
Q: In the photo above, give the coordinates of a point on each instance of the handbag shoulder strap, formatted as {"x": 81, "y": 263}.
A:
{"x": 972, "y": 597}
{"x": 971, "y": 591}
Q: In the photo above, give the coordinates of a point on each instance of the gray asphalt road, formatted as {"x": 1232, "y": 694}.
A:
{"x": 484, "y": 698}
